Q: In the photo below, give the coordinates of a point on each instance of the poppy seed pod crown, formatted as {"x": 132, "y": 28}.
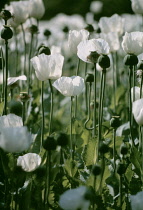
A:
{"x": 5, "y": 14}
{"x": 104, "y": 61}
{"x": 89, "y": 77}
{"x": 6, "y": 33}
{"x": 130, "y": 60}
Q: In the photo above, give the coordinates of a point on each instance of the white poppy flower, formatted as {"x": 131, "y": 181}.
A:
{"x": 48, "y": 66}
{"x": 137, "y": 6}
{"x": 133, "y": 43}
{"x": 95, "y": 46}
{"x": 55, "y": 50}
{"x": 109, "y": 37}
{"x": 12, "y": 80}
{"x": 69, "y": 86}
{"x": 115, "y": 24}
{"x": 15, "y": 139}
{"x": 19, "y": 11}
{"x": 29, "y": 162}
{"x": 137, "y": 111}
{"x": 137, "y": 201}
{"x": 10, "y": 120}
{"x": 36, "y": 9}
{"x": 75, "y": 37}
{"x": 73, "y": 199}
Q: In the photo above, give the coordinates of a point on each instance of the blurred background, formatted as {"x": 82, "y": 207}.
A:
{"x": 81, "y": 7}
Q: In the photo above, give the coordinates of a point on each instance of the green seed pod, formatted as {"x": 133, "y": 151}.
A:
{"x": 104, "y": 61}
{"x": 45, "y": 50}
{"x": 33, "y": 29}
{"x": 121, "y": 168}
{"x": 123, "y": 149}
{"x": 15, "y": 107}
{"x": 62, "y": 139}
{"x": 89, "y": 77}
{"x": 103, "y": 148}
{"x": 47, "y": 33}
{"x": 5, "y": 14}
{"x": 130, "y": 60}
{"x": 6, "y": 33}
{"x": 50, "y": 143}
{"x": 96, "y": 170}
{"x": 93, "y": 57}
{"x": 115, "y": 121}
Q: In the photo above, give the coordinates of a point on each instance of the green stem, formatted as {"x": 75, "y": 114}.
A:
{"x": 114, "y": 150}
{"x": 51, "y": 109}
{"x": 42, "y": 106}
{"x": 130, "y": 103}
{"x": 76, "y": 101}
{"x": 6, "y": 77}
{"x": 89, "y": 112}
{"x": 29, "y": 67}
{"x": 47, "y": 181}
{"x": 120, "y": 190}
{"x": 71, "y": 144}
{"x": 94, "y": 116}
{"x": 114, "y": 83}
{"x": 23, "y": 113}
{"x": 2, "y": 56}
{"x": 86, "y": 100}
{"x": 16, "y": 58}
{"x": 142, "y": 155}
{"x": 24, "y": 67}
{"x": 141, "y": 85}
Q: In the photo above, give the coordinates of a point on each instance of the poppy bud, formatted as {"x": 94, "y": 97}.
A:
{"x": 89, "y": 77}
{"x": 96, "y": 170}
{"x": 5, "y": 14}
{"x": 15, "y": 107}
{"x": 45, "y": 50}
{"x": 62, "y": 139}
{"x": 124, "y": 149}
{"x": 33, "y": 29}
{"x": 115, "y": 121}
{"x": 6, "y": 33}
{"x": 49, "y": 144}
{"x": 121, "y": 168}
{"x": 24, "y": 96}
{"x": 104, "y": 61}
{"x": 103, "y": 148}
{"x": 47, "y": 33}
{"x": 130, "y": 60}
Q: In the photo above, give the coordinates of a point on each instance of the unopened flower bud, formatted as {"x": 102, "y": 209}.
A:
{"x": 89, "y": 77}
{"x": 5, "y": 14}
{"x": 104, "y": 61}
{"x": 33, "y": 29}
{"x": 130, "y": 60}
{"x": 24, "y": 97}
{"x": 96, "y": 170}
{"x": 115, "y": 121}
{"x": 124, "y": 149}
{"x": 45, "y": 50}
{"x": 50, "y": 143}
{"x": 15, "y": 107}
{"x": 6, "y": 33}
{"x": 103, "y": 148}
{"x": 121, "y": 168}
{"x": 62, "y": 139}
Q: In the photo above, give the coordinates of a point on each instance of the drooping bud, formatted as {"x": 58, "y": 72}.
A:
{"x": 6, "y": 33}
{"x": 104, "y": 61}
{"x": 50, "y": 143}
{"x": 5, "y": 14}
{"x": 130, "y": 60}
